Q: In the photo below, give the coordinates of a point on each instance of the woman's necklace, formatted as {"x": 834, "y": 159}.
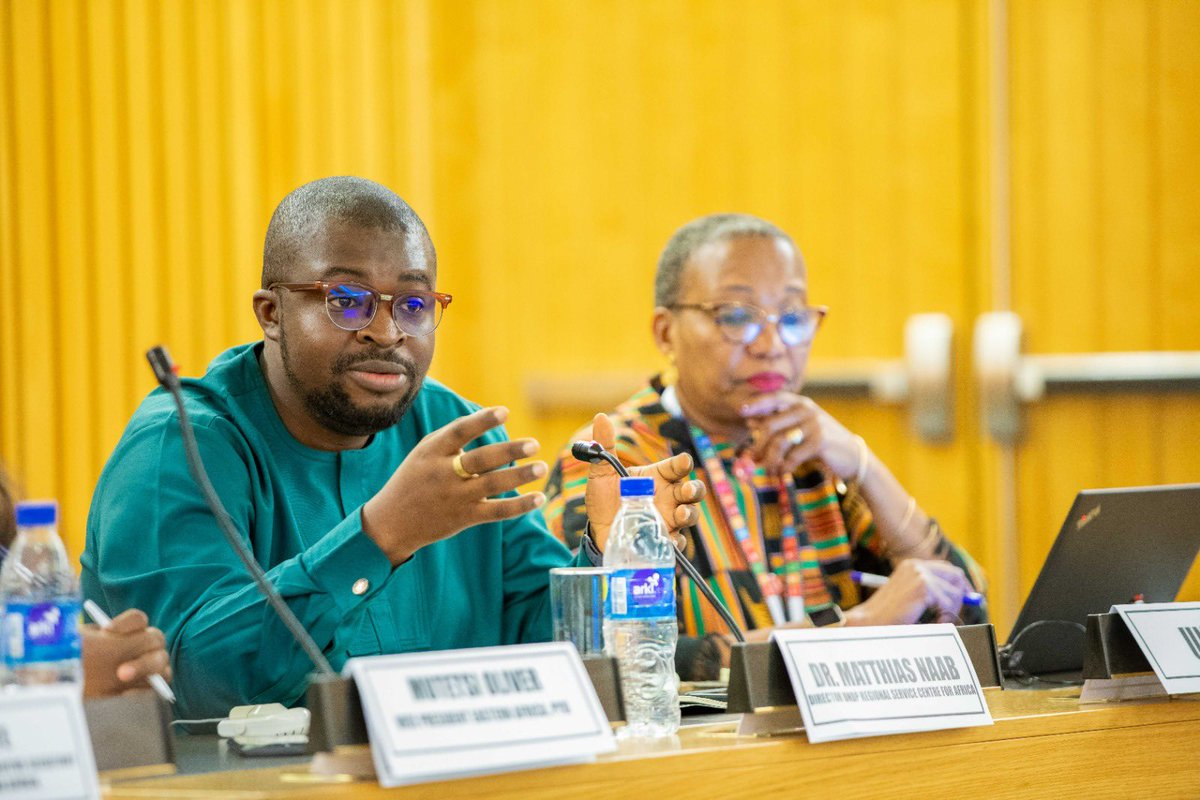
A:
{"x": 772, "y": 587}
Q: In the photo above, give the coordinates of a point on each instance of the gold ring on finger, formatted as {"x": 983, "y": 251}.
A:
{"x": 795, "y": 437}
{"x": 460, "y": 470}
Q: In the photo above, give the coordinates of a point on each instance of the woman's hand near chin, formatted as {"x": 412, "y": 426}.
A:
{"x": 788, "y": 429}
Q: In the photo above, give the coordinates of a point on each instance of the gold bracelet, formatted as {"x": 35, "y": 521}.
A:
{"x": 931, "y": 536}
{"x": 908, "y": 514}
{"x": 864, "y": 461}
{"x": 903, "y": 526}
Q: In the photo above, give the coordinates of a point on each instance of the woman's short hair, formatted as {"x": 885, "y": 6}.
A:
{"x": 694, "y": 235}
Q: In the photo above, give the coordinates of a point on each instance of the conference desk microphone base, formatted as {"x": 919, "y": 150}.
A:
{"x": 131, "y": 733}
{"x": 758, "y": 677}
{"x": 1109, "y": 649}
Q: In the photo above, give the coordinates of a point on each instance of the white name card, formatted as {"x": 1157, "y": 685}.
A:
{"x": 852, "y": 682}
{"x": 45, "y": 750}
{"x": 1169, "y": 635}
{"x": 457, "y": 713}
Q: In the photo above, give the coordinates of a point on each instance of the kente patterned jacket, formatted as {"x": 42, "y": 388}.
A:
{"x": 809, "y": 553}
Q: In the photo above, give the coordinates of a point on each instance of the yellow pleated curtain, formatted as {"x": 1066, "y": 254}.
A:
{"x": 552, "y": 147}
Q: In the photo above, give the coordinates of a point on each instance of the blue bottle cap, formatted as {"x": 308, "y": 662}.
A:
{"x": 637, "y": 487}
{"x": 37, "y": 512}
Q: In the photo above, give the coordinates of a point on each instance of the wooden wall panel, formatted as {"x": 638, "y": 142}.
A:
{"x": 601, "y": 133}
{"x": 1176, "y": 228}
{"x": 9, "y": 421}
{"x": 36, "y": 389}
{"x": 143, "y": 145}
{"x": 75, "y": 276}
{"x": 552, "y": 148}
{"x": 1106, "y": 215}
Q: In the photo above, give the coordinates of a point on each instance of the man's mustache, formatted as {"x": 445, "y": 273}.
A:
{"x": 348, "y": 362}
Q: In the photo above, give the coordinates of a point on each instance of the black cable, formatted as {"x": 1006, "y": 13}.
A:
{"x": 707, "y": 591}
{"x": 1012, "y": 645}
{"x": 164, "y": 370}
{"x": 1027, "y": 679}
{"x": 1008, "y": 662}
{"x": 591, "y": 452}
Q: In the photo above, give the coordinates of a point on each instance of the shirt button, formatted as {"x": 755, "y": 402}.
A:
{"x": 360, "y": 586}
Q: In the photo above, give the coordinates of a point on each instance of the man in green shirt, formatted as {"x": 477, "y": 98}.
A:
{"x": 381, "y": 504}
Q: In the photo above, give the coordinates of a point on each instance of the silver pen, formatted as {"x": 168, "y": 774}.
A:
{"x": 157, "y": 682}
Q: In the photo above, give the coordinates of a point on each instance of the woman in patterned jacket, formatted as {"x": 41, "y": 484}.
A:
{"x": 796, "y": 502}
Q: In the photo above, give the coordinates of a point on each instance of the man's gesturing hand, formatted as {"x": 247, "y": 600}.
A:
{"x": 426, "y": 500}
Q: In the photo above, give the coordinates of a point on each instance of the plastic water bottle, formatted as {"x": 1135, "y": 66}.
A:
{"x": 640, "y": 627}
{"x": 39, "y": 602}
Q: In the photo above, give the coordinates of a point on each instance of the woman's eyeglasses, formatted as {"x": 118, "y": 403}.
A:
{"x": 352, "y": 306}
{"x": 741, "y": 323}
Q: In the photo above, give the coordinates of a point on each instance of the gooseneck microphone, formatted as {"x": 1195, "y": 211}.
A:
{"x": 167, "y": 374}
{"x": 594, "y": 453}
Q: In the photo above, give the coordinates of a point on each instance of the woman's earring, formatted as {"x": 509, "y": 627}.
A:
{"x": 670, "y": 375}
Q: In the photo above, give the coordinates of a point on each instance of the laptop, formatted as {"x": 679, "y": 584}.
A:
{"x": 1116, "y": 545}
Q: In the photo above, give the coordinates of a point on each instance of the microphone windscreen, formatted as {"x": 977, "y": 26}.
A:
{"x": 587, "y": 451}
{"x": 161, "y": 363}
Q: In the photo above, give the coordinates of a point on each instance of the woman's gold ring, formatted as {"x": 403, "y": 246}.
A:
{"x": 795, "y": 437}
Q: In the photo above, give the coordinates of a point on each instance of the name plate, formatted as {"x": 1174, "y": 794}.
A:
{"x": 1169, "y": 636}
{"x": 852, "y": 682}
{"x": 45, "y": 752}
{"x": 458, "y": 713}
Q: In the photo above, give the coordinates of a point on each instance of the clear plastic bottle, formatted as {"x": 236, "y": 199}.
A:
{"x": 640, "y": 627}
{"x": 39, "y": 602}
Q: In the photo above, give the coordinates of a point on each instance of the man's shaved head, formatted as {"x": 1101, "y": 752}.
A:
{"x": 356, "y": 201}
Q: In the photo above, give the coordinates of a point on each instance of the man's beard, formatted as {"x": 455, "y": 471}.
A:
{"x": 332, "y": 407}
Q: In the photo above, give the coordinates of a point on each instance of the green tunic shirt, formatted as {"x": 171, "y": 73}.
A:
{"x": 153, "y": 544}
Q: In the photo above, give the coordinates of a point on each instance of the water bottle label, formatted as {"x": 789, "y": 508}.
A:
{"x": 641, "y": 594}
{"x": 41, "y": 632}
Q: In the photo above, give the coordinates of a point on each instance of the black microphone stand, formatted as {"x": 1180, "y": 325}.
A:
{"x": 594, "y": 452}
{"x": 165, "y": 372}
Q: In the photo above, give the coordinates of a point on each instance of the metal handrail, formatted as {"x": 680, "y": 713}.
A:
{"x": 1008, "y": 378}
{"x": 1125, "y": 371}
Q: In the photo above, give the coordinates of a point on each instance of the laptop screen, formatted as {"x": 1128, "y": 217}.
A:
{"x": 1115, "y": 545}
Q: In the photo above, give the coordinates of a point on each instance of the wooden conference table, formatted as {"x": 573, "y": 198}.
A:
{"x": 1042, "y": 745}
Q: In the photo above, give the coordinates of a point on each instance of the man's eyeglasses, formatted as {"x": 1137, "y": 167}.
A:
{"x": 741, "y": 323}
{"x": 352, "y": 306}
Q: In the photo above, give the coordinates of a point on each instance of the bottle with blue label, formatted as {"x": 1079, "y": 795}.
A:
{"x": 39, "y": 602}
{"x": 640, "y": 627}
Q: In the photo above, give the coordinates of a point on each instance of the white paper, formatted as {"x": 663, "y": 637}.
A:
{"x": 432, "y": 716}
{"x": 45, "y": 750}
{"x": 1114, "y": 690}
{"x": 771, "y": 722}
{"x": 852, "y": 682}
{"x": 1169, "y": 635}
